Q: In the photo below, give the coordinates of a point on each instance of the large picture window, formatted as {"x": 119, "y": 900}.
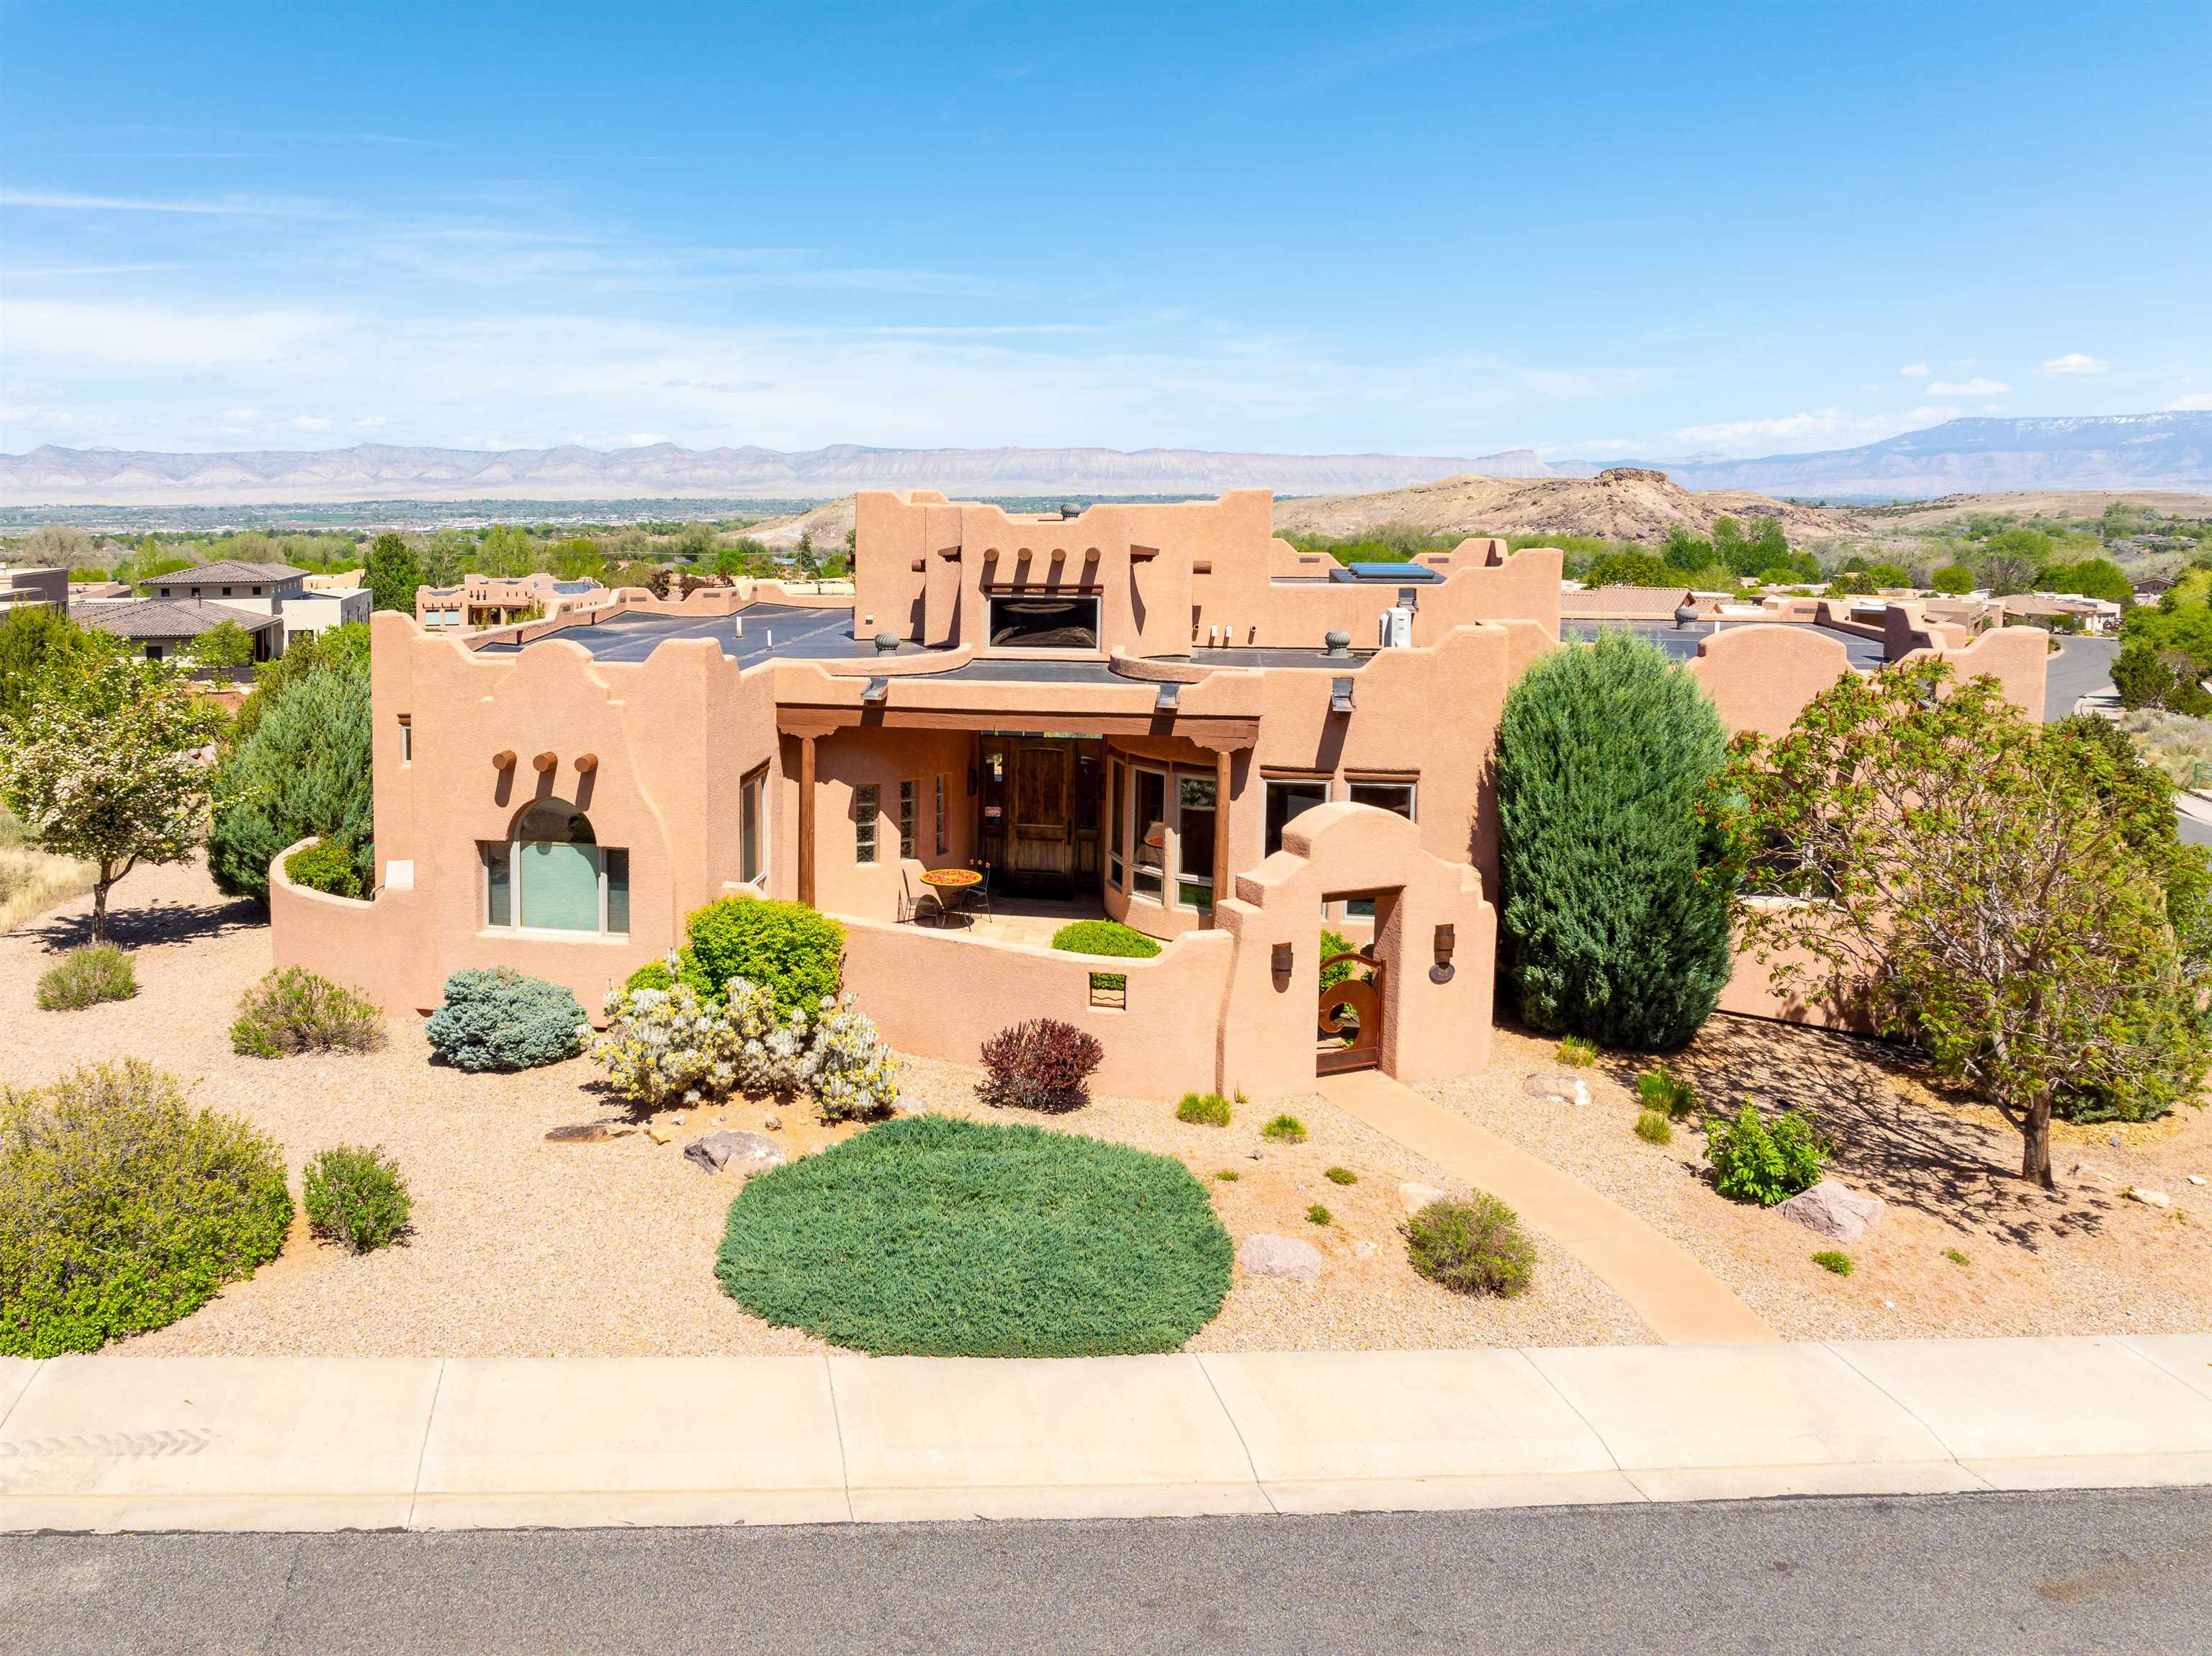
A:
{"x": 554, "y": 876}
{"x": 1041, "y": 622}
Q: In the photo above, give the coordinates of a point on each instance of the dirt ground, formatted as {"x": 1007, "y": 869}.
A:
{"x": 523, "y": 1247}
{"x": 2082, "y": 1260}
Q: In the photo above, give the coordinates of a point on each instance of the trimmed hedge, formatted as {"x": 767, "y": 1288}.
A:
{"x": 937, "y": 1237}
{"x": 327, "y": 865}
{"x": 496, "y": 1018}
{"x": 789, "y": 949}
{"x": 1105, "y": 937}
{"x": 123, "y": 1209}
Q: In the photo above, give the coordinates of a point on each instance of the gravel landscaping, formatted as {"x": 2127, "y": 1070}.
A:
{"x": 521, "y": 1246}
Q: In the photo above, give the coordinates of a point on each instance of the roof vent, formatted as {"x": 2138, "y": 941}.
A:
{"x": 1338, "y": 643}
{"x": 1069, "y": 509}
{"x": 886, "y": 643}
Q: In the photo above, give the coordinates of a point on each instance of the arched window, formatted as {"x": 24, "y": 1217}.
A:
{"x": 551, "y": 874}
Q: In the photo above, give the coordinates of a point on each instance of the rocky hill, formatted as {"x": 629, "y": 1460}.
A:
{"x": 1627, "y": 503}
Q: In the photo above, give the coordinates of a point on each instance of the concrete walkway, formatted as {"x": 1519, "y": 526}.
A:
{"x": 109, "y": 1443}
{"x": 1682, "y": 1302}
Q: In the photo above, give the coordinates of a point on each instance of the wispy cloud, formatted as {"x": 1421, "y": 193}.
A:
{"x": 1837, "y": 425}
{"x": 2074, "y": 362}
{"x": 238, "y": 206}
{"x": 2196, "y": 399}
{"x": 1915, "y": 370}
{"x": 1977, "y": 386}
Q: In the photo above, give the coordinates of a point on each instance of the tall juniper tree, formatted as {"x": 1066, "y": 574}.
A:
{"x": 1616, "y": 924}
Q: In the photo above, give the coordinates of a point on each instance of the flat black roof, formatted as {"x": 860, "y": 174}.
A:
{"x": 786, "y": 630}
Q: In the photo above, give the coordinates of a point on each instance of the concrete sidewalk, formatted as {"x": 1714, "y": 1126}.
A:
{"x": 149, "y": 1443}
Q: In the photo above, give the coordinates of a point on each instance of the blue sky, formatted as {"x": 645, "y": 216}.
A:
{"x": 1594, "y": 228}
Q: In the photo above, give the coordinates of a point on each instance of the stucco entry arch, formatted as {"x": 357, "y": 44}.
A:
{"x": 1431, "y": 1028}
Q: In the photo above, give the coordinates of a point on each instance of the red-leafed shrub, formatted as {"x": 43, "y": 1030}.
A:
{"x": 1041, "y": 1064}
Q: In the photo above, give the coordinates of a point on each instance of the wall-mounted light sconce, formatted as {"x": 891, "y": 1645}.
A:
{"x": 503, "y": 760}
{"x": 1447, "y": 940}
{"x": 1280, "y": 961}
{"x": 546, "y": 763}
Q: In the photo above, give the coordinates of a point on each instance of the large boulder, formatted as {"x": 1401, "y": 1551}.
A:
{"x": 749, "y": 1151}
{"x": 1833, "y": 1210}
{"x": 1278, "y": 1256}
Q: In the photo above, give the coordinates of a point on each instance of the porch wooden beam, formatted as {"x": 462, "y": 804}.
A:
{"x": 806, "y": 821}
{"x": 1232, "y": 734}
{"x": 1222, "y": 760}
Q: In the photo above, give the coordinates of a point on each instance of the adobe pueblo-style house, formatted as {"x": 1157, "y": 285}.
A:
{"x": 1157, "y": 714}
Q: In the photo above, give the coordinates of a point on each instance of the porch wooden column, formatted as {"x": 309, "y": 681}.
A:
{"x": 806, "y": 820}
{"x": 1223, "y": 758}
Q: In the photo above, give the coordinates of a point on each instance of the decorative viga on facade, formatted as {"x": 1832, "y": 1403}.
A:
{"x": 1158, "y": 714}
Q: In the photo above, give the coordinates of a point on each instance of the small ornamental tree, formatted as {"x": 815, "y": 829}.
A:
{"x": 1616, "y": 929}
{"x": 226, "y": 644}
{"x": 2011, "y": 897}
{"x": 112, "y": 773}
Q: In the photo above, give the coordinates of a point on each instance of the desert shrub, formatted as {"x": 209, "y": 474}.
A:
{"x": 123, "y": 1209}
{"x": 937, "y": 1237}
{"x": 1956, "y": 1256}
{"x": 304, "y": 770}
{"x": 1761, "y": 1161}
{"x": 1653, "y": 1127}
{"x": 1340, "y": 1175}
{"x": 325, "y": 865}
{"x": 496, "y": 1018}
{"x": 86, "y": 977}
{"x": 1227, "y": 1175}
{"x": 1316, "y": 1214}
{"x": 654, "y": 974}
{"x": 1659, "y": 1088}
{"x": 1041, "y": 1064}
{"x": 1615, "y": 922}
{"x": 1203, "y": 1110}
{"x": 1575, "y": 1053}
{"x": 293, "y": 1010}
{"x": 1285, "y": 1130}
{"x": 354, "y": 1195}
{"x": 848, "y": 1068}
{"x": 1474, "y": 1247}
{"x": 1829, "y": 1258}
{"x": 1105, "y": 938}
{"x": 789, "y": 950}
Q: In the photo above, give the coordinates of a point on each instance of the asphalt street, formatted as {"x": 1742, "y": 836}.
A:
{"x": 2109, "y": 1571}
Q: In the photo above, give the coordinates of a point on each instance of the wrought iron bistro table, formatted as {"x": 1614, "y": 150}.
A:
{"x": 938, "y": 881}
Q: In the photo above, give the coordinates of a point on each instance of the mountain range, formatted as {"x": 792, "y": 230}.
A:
{"x": 2172, "y": 450}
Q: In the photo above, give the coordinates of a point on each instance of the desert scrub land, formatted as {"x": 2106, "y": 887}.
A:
{"x": 32, "y": 881}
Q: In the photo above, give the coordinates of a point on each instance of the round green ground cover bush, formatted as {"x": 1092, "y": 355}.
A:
{"x": 123, "y": 1209}
{"x": 937, "y": 1237}
{"x": 1105, "y": 938}
{"x": 326, "y": 866}
{"x": 497, "y": 1018}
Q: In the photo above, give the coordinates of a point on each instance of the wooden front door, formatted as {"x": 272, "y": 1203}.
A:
{"x": 1039, "y": 842}
{"x": 1350, "y": 1034}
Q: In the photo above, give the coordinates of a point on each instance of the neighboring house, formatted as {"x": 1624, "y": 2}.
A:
{"x": 317, "y": 610}
{"x": 483, "y": 601}
{"x": 1157, "y": 713}
{"x": 164, "y": 628}
{"x": 2149, "y": 589}
{"x": 2088, "y": 615}
{"x": 25, "y": 589}
{"x": 230, "y": 582}
{"x": 101, "y": 591}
